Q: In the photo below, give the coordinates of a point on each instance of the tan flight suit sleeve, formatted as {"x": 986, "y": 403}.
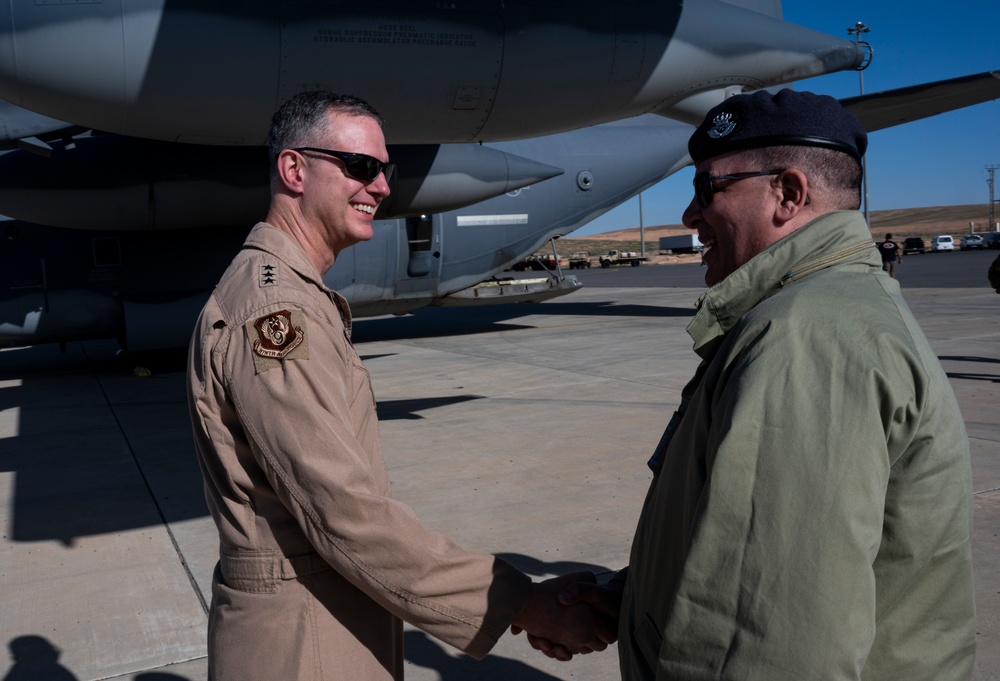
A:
{"x": 312, "y": 429}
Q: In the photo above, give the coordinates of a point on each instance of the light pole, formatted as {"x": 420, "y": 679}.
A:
{"x": 642, "y": 230}
{"x": 989, "y": 182}
{"x": 856, "y": 30}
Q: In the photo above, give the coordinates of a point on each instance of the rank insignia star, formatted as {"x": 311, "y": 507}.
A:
{"x": 268, "y": 275}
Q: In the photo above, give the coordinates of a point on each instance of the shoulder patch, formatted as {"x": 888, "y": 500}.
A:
{"x": 276, "y": 337}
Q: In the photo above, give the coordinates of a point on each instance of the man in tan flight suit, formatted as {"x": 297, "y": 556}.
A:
{"x": 318, "y": 564}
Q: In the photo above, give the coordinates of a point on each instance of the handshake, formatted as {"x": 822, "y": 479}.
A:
{"x": 570, "y": 615}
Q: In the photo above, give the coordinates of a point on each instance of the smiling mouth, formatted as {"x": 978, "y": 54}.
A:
{"x": 707, "y": 243}
{"x": 364, "y": 208}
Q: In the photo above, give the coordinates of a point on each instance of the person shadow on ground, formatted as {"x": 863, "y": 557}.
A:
{"x": 35, "y": 658}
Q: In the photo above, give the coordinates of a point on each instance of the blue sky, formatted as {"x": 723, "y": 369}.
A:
{"x": 938, "y": 161}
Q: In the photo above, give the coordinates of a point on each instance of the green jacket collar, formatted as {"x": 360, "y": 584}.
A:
{"x": 828, "y": 240}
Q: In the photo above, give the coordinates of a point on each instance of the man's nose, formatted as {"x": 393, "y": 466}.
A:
{"x": 692, "y": 215}
{"x": 379, "y": 187}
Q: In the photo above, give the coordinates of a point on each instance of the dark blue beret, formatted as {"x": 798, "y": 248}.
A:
{"x": 763, "y": 119}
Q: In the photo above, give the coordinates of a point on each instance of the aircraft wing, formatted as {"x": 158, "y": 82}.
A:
{"x": 904, "y": 105}
{"x": 212, "y": 72}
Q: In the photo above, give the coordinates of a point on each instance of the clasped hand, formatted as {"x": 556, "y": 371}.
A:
{"x": 570, "y": 615}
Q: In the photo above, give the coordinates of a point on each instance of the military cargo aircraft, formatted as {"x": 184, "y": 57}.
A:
{"x": 136, "y": 130}
{"x": 145, "y": 286}
{"x": 213, "y": 71}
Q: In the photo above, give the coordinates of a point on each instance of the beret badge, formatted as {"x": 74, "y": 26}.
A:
{"x": 722, "y": 125}
{"x": 764, "y": 119}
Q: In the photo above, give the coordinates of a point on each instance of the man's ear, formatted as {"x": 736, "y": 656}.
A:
{"x": 290, "y": 170}
{"x": 793, "y": 192}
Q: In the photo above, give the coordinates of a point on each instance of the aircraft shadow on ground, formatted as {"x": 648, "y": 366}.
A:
{"x": 85, "y": 464}
{"x": 57, "y": 500}
{"x": 73, "y": 478}
{"x": 407, "y": 410}
{"x": 69, "y": 488}
{"x": 993, "y": 378}
{"x": 436, "y": 322}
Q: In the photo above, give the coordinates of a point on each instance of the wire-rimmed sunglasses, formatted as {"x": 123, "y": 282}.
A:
{"x": 359, "y": 166}
{"x": 704, "y": 190}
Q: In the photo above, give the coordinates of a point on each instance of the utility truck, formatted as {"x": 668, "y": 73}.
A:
{"x": 616, "y": 257}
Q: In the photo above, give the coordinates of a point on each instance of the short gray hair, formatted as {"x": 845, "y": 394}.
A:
{"x": 834, "y": 174}
{"x": 297, "y": 121}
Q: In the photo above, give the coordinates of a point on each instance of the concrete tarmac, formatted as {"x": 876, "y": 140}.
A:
{"x": 519, "y": 430}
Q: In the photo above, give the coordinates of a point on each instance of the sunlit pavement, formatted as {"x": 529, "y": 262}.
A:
{"x": 519, "y": 430}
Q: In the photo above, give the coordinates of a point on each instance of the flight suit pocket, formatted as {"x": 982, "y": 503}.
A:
{"x": 250, "y": 571}
{"x": 260, "y": 571}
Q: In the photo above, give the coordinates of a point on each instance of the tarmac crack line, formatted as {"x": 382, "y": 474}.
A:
{"x": 149, "y": 488}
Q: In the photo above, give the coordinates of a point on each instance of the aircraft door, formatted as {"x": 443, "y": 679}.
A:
{"x": 420, "y": 270}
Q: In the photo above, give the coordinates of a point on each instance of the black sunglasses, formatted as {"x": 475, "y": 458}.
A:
{"x": 359, "y": 166}
{"x": 704, "y": 190}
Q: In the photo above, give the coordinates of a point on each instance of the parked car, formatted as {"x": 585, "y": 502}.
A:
{"x": 993, "y": 240}
{"x": 944, "y": 242}
{"x": 914, "y": 244}
{"x": 972, "y": 242}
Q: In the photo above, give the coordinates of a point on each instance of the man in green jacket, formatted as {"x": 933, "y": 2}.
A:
{"x": 810, "y": 511}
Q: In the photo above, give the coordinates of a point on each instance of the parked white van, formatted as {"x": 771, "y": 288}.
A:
{"x": 942, "y": 243}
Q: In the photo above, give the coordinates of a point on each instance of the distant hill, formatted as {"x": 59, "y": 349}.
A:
{"x": 902, "y": 222}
